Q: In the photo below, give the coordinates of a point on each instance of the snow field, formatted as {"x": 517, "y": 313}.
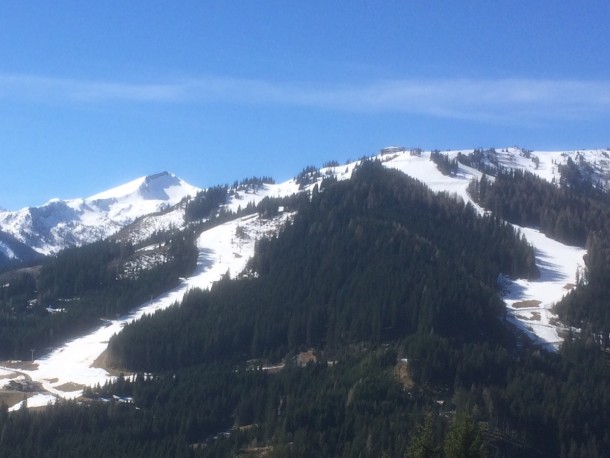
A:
{"x": 38, "y": 400}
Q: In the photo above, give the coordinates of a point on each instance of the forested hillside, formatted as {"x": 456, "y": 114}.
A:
{"x": 74, "y": 289}
{"x": 371, "y": 325}
{"x": 573, "y": 211}
{"x": 374, "y": 259}
{"x": 566, "y": 213}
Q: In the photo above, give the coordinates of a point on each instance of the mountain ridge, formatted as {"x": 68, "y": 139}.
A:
{"x": 59, "y": 224}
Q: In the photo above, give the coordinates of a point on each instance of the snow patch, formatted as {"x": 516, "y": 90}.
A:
{"x": 6, "y": 251}
{"x": 38, "y": 400}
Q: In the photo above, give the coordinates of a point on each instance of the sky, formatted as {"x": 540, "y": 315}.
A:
{"x": 95, "y": 94}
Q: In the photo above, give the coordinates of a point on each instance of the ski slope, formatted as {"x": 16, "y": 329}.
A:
{"x": 67, "y": 370}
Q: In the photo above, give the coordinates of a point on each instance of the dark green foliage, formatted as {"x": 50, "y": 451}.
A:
{"x": 252, "y": 183}
{"x": 484, "y": 160}
{"x": 355, "y": 407}
{"x": 269, "y": 207}
{"x": 543, "y": 405}
{"x": 567, "y": 214}
{"x": 588, "y": 306}
{"x": 464, "y": 439}
{"x": 206, "y": 203}
{"x": 540, "y": 404}
{"x": 18, "y": 287}
{"x": 307, "y": 176}
{"x": 578, "y": 177}
{"x": 559, "y": 402}
{"x": 83, "y": 285}
{"x": 444, "y": 164}
{"x": 77, "y": 270}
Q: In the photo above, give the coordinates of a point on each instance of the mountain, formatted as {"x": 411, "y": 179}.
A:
{"x": 59, "y": 224}
{"x": 140, "y": 214}
{"x": 376, "y": 308}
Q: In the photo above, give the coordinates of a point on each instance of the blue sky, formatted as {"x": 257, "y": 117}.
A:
{"x": 94, "y": 94}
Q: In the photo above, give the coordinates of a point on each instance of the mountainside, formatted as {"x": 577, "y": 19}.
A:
{"x": 393, "y": 306}
{"x": 591, "y": 166}
{"x": 59, "y": 224}
{"x": 342, "y": 266}
{"x": 12, "y": 250}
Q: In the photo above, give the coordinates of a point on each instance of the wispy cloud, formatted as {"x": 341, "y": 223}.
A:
{"x": 502, "y": 100}
{"x": 72, "y": 90}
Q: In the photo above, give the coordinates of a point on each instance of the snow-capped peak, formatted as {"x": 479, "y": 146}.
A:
{"x": 62, "y": 223}
{"x": 161, "y": 186}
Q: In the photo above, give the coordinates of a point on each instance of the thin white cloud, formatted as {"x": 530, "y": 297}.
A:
{"x": 478, "y": 99}
{"x": 42, "y": 88}
{"x": 503, "y": 100}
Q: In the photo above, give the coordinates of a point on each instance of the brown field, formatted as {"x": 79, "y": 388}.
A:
{"x": 102, "y": 362}
{"x": 67, "y": 387}
{"x": 25, "y": 365}
{"x": 10, "y": 398}
{"x": 401, "y": 370}
{"x": 526, "y": 304}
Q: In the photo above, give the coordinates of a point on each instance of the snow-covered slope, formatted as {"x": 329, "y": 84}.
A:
{"x": 253, "y": 195}
{"x": 143, "y": 227}
{"x": 222, "y": 250}
{"x": 62, "y": 223}
{"x": 593, "y": 164}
